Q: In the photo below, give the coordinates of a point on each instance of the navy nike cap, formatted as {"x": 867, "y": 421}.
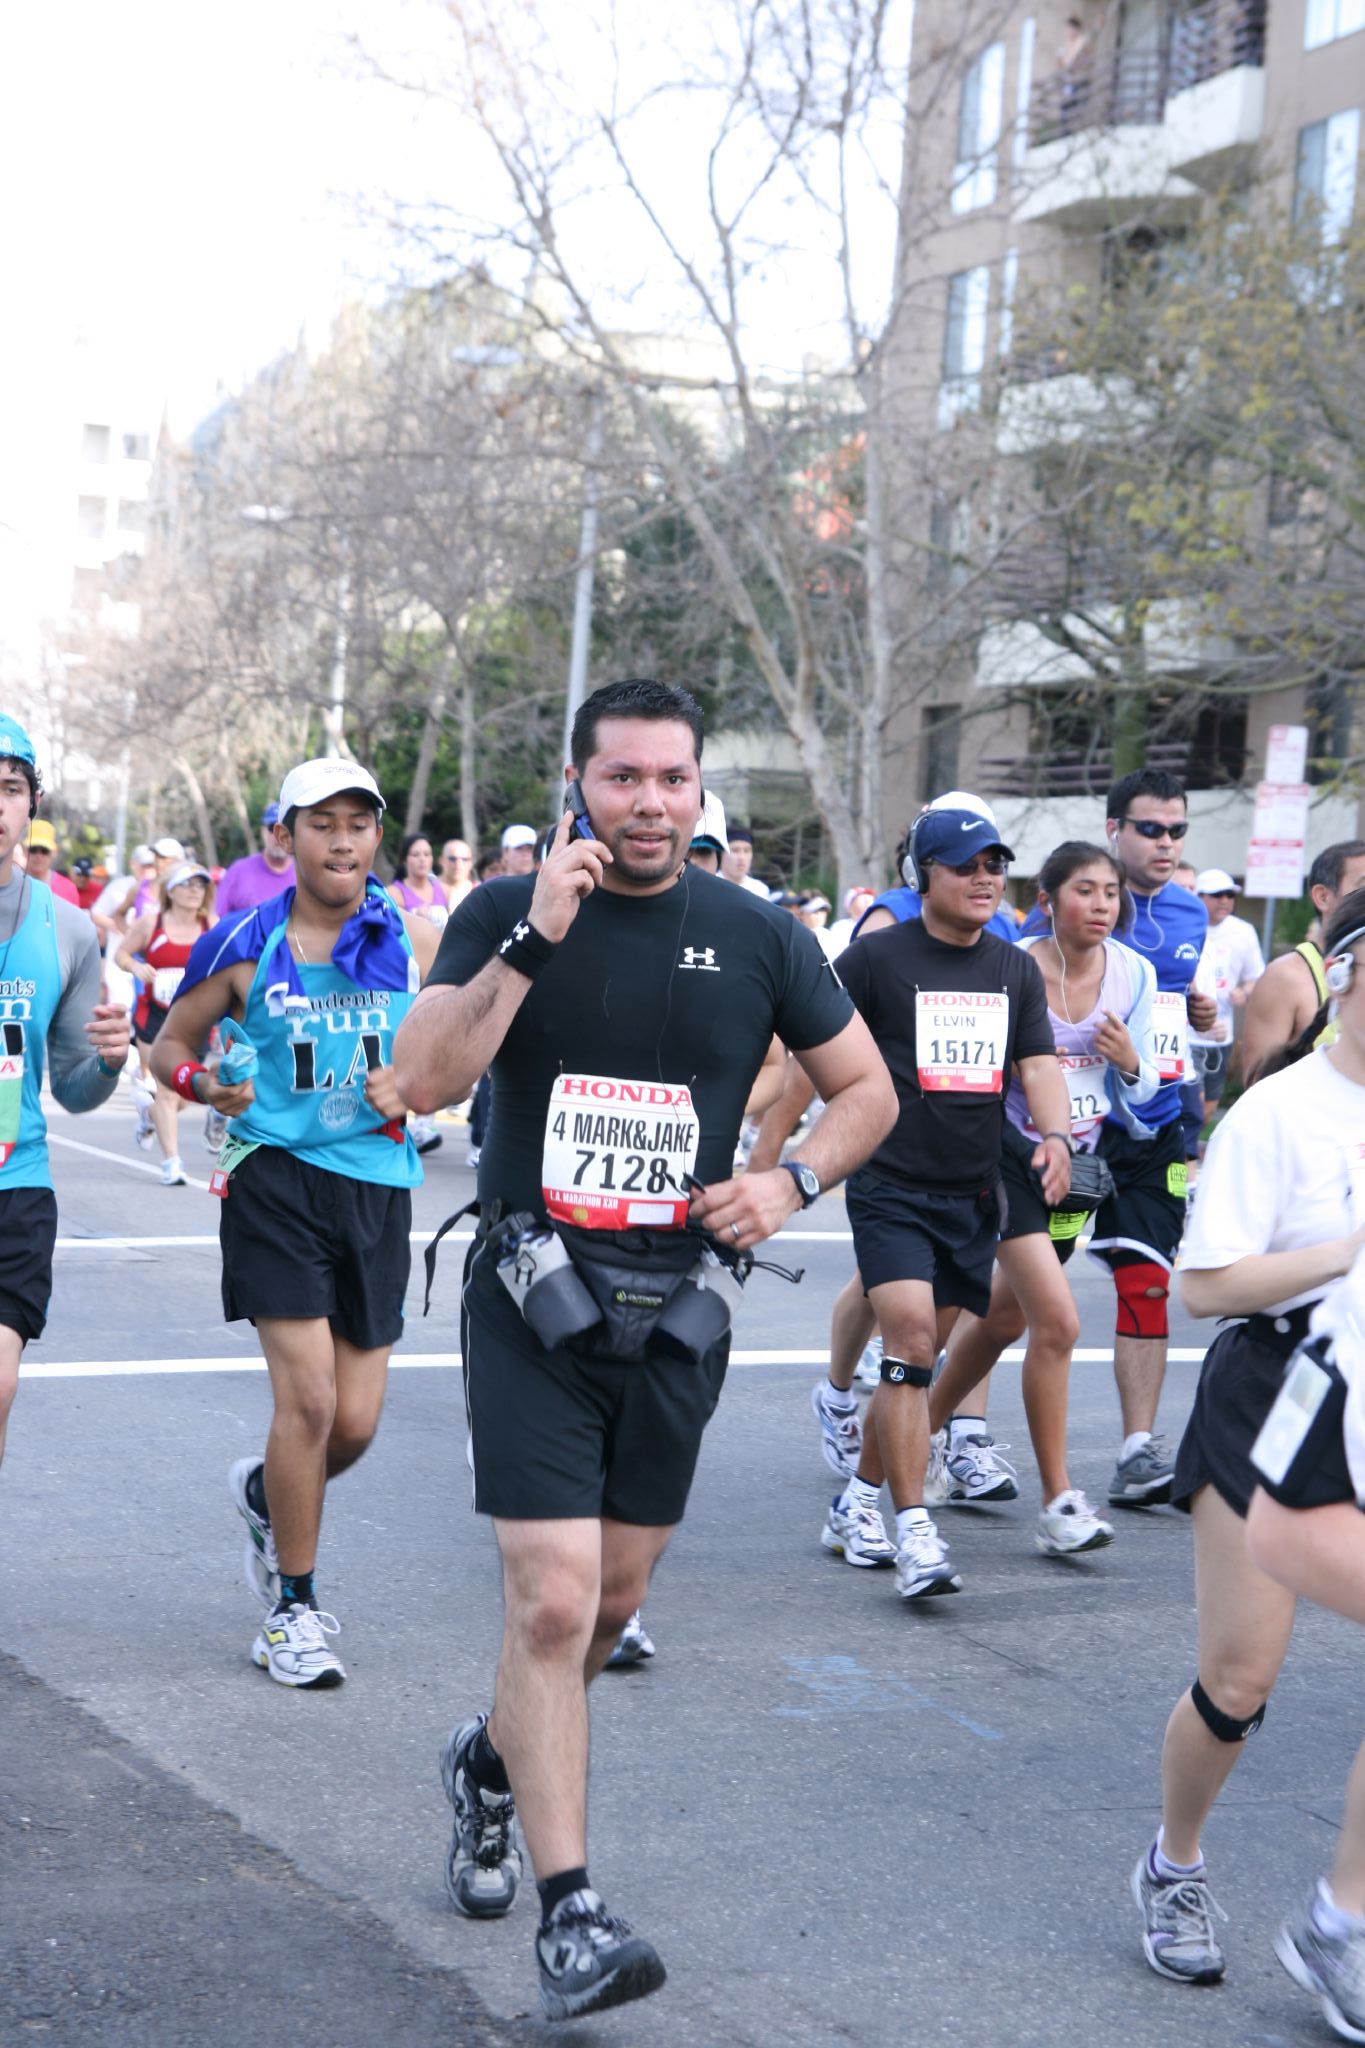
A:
{"x": 955, "y": 837}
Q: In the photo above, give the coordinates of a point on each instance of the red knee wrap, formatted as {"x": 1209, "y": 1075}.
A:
{"x": 1142, "y": 1288}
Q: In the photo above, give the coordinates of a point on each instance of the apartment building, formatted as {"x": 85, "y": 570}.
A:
{"x": 1048, "y": 140}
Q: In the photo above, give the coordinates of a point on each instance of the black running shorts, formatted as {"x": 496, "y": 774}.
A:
{"x": 924, "y": 1234}
{"x": 1241, "y": 1377}
{"x": 300, "y": 1242}
{"x": 1145, "y": 1215}
{"x": 28, "y": 1231}
{"x": 1027, "y": 1214}
{"x": 556, "y": 1435}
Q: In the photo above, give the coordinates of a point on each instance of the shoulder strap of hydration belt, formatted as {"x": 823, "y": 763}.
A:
{"x": 429, "y": 1255}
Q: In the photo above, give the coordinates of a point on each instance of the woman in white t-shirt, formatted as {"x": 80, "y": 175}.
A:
{"x": 1279, "y": 1220}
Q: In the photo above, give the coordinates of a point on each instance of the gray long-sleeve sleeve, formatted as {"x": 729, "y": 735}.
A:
{"x": 77, "y": 1079}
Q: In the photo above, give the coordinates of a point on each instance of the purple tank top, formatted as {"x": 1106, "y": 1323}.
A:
{"x": 1082, "y": 1066}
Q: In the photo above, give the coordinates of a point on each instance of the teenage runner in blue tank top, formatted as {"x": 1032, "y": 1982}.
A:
{"x": 316, "y": 1172}
{"x": 1137, "y": 1231}
{"x": 49, "y": 1009}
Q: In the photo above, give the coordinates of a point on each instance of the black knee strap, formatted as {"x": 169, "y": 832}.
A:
{"x": 902, "y": 1375}
{"x": 1220, "y": 1724}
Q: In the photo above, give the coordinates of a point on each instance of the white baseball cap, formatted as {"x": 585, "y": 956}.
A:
{"x": 186, "y": 871}
{"x": 143, "y": 856}
{"x": 168, "y": 849}
{"x": 518, "y": 835}
{"x": 1215, "y": 882}
{"x": 963, "y": 800}
{"x": 711, "y": 824}
{"x": 312, "y": 782}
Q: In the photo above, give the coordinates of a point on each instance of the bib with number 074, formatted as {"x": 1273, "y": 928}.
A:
{"x": 616, "y": 1153}
{"x": 960, "y": 1041}
{"x": 1168, "y": 1024}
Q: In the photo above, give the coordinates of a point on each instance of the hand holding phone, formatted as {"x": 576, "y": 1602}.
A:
{"x": 575, "y": 801}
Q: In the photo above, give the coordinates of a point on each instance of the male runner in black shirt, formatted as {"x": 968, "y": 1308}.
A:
{"x": 952, "y": 1009}
{"x": 625, "y": 1002}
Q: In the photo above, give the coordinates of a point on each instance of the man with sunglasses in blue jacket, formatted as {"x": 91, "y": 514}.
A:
{"x": 1138, "y": 1229}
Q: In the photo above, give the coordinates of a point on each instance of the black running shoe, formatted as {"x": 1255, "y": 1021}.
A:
{"x": 588, "y": 1961}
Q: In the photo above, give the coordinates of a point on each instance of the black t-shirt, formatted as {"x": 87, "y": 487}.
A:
{"x": 944, "y": 1139}
{"x": 687, "y": 986}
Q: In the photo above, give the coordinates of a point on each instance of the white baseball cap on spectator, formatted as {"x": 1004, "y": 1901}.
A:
{"x": 167, "y": 849}
{"x": 710, "y": 827}
{"x": 518, "y": 835}
{"x": 1215, "y": 882}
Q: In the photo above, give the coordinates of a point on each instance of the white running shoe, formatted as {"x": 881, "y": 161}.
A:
{"x": 471, "y": 1157}
{"x": 1069, "y": 1524}
{"x": 144, "y": 1134}
{"x": 976, "y": 1472}
{"x": 841, "y": 1433}
{"x": 936, "y": 1474}
{"x": 292, "y": 1647}
{"x": 858, "y": 1535}
{"x": 260, "y": 1562}
{"x": 922, "y": 1566}
{"x": 633, "y": 1645}
{"x": 869, "y": 1369}
{"x": 173, "y": 1173}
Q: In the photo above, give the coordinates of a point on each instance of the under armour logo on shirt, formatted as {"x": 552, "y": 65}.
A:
{"x": 700, "y": 958}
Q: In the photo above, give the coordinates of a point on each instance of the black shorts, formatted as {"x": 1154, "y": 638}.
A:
{"x": 300, "y": 1242}
{"x": 146, "y": 1028}
{"x": 924, "y": 1234}
{"x": 556, "y": 1435}
{"x": 1026, "y": 1213}
{"x": 28, "y": 1231}
{"x": 1145, "y": 1215}
{"x": 1241, "y": 1377}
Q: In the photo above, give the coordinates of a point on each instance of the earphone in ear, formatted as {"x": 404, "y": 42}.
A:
{"x": 1339, "y": 973}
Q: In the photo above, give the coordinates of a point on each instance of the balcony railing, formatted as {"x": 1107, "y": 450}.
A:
{"x": 1132, "y": 91}
{"x": 1089, "y": 773}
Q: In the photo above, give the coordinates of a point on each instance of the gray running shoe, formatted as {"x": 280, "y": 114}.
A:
{"x": 483, "y": 1864}
{"x": 975, "y": 1472}
{"x": 260, "y": 1561}
{"x": 1144, "y": 1480}
{"x": 1177, "y": 1926}
{"x": 589, "y": 1961}
{"x": 1331, "y": 1966}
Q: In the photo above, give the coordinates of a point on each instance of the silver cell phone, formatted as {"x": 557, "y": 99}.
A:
{"x": 1297, "y": 1407}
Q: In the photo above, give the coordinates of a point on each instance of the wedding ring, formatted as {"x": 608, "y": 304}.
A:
{"x": 734, "y": 1232}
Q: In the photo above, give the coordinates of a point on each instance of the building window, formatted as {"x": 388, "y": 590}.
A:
{"x": 964, "y": 343}
{"x": 940, "y": 745}
{"x": 1023, "y": 88}
{"x": 978, "y": 130}
{"x": 132, "y": 515}
{"x": 1325, "y": 174}
{"x": 91, "y": 517}
{"x": 94, "y": 443}
{"x": 1009, "y": 278}
{"x": 1325, "y": 20}
{"x": 137, "y": 448}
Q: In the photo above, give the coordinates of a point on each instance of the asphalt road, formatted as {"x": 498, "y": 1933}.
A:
{"x": 833, "y": 1814}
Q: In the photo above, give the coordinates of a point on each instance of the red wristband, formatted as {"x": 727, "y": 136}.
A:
{"x": 183, "y": 1080}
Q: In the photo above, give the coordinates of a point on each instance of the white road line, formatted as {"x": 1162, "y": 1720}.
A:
{"x": 119, "y": 1159}
{"x": 133, "y": 1244}
{"x": 114, "y": 1368}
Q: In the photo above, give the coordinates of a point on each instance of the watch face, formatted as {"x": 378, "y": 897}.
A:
{"x": 807, "y": 1182}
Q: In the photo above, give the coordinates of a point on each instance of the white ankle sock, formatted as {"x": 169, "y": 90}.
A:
{"x": 966, "y": 1425}
{"x": 1165, "y": 1869}
{"x": 1133, "y": 1444}
{"x": 1331, "y": 1918}
{"x": 911, "y": 1522}
{"x": 838, "y": 1397}
{"x": 861, "y": 1493}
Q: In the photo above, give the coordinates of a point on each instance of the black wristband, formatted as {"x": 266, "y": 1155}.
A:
{"x": 526, "y": 949}
{"x": 1066, "y": 1140}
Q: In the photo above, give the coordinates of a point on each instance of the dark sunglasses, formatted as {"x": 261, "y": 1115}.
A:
{"x": 985, "y": 863}
{"x": 1150, "y": 829}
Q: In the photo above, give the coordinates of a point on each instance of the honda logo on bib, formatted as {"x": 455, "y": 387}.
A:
{"x": 701, "y": 958}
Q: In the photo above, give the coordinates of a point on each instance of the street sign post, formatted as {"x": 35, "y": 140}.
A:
{"x": 1279, "y": 827}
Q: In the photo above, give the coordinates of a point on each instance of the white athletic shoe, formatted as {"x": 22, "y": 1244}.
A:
{"x": 471, "y": 1157}
{"x": 858, "y": 1535}
{"x": 841, "y": 1433}
{"x": 144, "y": 1134}
{"x": 869, "y": 1369}
{"x": 1068, "y": 1524}
{"x": 260, "y": 1562}
{"x": 936, "y": 1474}
{"x": 173, "y": 1173}
{"x": 922, "y": 1566}
{"x": 976, "y": 1472}
{"x": 633, "y": 1645}
{"x": 292, "y": 1647}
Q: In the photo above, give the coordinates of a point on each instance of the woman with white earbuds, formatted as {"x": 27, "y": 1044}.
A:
{"x": 1099, "y": 998}
{"x": 1280, "y": 1218}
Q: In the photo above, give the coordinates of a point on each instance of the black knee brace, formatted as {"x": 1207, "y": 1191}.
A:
{"x": 1220, "y": 1724}
{"x": 902, "y": 1375}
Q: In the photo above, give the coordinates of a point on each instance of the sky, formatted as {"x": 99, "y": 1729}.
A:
{"x": 194, "y": 181}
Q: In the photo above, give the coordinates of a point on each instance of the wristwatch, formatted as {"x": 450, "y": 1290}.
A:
{"x": 805, "y": 1179}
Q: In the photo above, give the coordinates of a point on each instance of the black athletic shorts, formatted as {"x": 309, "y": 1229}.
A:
{"x": 299, "y": 1241}
{"x": 144, "y": 1033}
{"x": 28, "y": 1231}
{"x": 1242, "y": 1374}
{"x": 923, "y": 1234}
{"x": 556, "y": 1435}
{"x": 1145, "y": 1215}
{"x": 1026, "y": 1213}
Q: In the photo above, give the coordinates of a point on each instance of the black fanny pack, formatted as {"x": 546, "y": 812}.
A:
{"x": 1091, "y": 1181}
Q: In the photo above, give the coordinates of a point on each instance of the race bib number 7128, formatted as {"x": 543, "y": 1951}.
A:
{"x": 616, "y": 1153}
